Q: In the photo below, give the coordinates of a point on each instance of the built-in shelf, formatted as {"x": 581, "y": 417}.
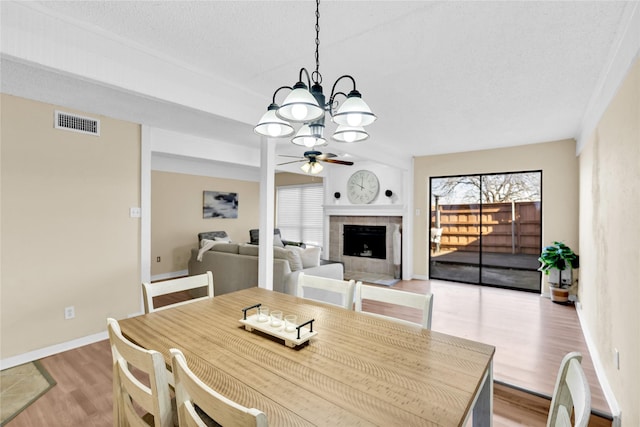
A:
{"x": 364, "y": 210}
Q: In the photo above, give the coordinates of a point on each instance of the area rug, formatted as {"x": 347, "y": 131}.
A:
{"x": 20, "y": 386}
{"x": 377, "y": 279}
{"x": 386, "y": 282}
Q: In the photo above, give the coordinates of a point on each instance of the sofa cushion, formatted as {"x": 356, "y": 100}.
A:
{"x": 226, "y": 247}
{"x": 248, "y": 249}
{"x": 222, "y": 239}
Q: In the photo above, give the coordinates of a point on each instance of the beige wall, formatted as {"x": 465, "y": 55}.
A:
{"x": 559, "y": 166}
{"x": 67, "y": 239}
{"x": 176, "y": 216}
{"x": 609, "y": 239}
{"x": 287, "y": 178}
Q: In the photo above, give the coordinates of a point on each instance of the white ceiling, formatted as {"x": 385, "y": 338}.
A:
{"x": 442, "y": 77}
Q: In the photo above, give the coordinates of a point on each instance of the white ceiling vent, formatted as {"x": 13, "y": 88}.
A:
{"x": 76, "y": 123}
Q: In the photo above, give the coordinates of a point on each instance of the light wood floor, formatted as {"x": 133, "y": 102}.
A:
{"x": 531, "y": 335}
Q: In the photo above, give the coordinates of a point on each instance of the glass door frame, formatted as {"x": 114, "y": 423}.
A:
{"x": 480, "y": 223}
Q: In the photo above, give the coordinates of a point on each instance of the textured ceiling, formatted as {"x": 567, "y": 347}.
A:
{"x": 441, "y": 76}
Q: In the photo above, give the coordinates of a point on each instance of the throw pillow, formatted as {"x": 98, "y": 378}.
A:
{"x": 295, "y": 262}
{"x": 277, "y": 241}
{"x": 280, "y": 253}
{"x": 310, "y": 256}
{"x": 223, "y": 239}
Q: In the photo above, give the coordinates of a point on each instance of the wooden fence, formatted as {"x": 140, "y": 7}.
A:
{"x": 462, "y": 225}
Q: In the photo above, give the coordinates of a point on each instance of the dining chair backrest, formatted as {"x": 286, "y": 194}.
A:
{"x": 323, "y": 289}
{"x": 200, "y": 285}
{"x": 129, "y": 391}
{"x": 192, "y": 392}
{"x": 422, "y": 302}
{"x": 571, "y": 394}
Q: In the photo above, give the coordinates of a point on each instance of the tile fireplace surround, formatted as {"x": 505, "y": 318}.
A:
{"x": 359, "y": 265}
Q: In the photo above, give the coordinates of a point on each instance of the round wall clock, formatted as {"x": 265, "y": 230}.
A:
{"x": 362, "y": 187}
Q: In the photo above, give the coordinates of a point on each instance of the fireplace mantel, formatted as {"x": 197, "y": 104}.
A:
{"x": 364, "y": 210}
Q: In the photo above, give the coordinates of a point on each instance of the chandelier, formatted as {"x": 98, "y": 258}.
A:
{"x": 308, "y": 107}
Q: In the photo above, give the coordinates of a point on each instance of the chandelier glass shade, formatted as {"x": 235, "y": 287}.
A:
{"x": 309, "y": 138}
{"x": 273, "y": 126}
{"x": 309, "y": 107}
{"x": 300, "y": 106}
{"x": 354, "y": 111}
{"x": 350, "y": 134}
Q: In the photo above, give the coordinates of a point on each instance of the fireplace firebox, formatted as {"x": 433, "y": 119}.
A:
{"x": 367, "y": 241}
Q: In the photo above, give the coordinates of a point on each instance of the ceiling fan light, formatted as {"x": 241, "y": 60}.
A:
{"x": 300, "y": 105}
{"x": 272, "y": 126}
{"x": 354, "y": 111}
{"x": 350, "y": 134}
{"x": 306, "y": 138}
{"x": 312, "y": 168}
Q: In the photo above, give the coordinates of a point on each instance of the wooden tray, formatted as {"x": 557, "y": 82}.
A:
{"x": 290, "y": 338}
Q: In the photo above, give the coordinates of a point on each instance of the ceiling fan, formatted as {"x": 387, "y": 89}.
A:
{"x": 312, "y": 159}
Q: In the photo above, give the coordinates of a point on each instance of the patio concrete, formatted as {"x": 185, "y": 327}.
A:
{"x": 517, "y": 271}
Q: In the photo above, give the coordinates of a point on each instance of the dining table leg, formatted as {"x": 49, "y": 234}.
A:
{"x": 483, "y": 408}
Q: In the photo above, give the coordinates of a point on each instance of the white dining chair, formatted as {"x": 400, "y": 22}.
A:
{"x": 422, "y": 302}
{"x": 571, "y": 394}
{"x": 129, "y": 392}
{"x": 191, "y": 392}
{"x": 330, "y": 291}
{"x": 189, "y": 283}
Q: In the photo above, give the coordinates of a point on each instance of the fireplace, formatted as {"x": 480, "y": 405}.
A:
{"x": 367, "y": 241}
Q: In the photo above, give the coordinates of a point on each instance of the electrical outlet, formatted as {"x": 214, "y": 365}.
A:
{"x": 69, "y": 312}
{"x": 158, "y": 259}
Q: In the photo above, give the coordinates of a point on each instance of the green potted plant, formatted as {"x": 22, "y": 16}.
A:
{"x": 558, "y": 261}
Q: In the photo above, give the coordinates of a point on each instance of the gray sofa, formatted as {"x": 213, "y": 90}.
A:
{"x": 235, "y": 266}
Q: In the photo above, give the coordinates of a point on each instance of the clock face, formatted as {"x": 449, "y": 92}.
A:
{"x": 362, "y": 187}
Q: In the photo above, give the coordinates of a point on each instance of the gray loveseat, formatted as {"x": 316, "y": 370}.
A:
{"x": 235, "y": 266}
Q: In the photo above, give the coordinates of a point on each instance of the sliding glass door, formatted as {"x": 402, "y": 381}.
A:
{"x": 486, "y": 229}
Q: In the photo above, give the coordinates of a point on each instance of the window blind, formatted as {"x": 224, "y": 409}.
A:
{"x": 300, "y": 215}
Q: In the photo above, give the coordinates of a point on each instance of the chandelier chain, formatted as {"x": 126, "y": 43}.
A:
{"x": 317, "y": 77}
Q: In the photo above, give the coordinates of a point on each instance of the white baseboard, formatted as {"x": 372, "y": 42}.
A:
{"x": 420, "y": 277}
{"x": 171, "y": 275}
{"x": 20, "y": 359}
{"x": 600, "y": 373}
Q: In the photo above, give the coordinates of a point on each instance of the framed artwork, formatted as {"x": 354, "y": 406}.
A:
{"x": 217, "y": 204}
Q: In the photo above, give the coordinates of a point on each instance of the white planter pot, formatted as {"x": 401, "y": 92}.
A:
{"x": 564, "y": 277}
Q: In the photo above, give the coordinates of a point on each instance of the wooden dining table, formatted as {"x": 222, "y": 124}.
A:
{"x": 358, "y": 370}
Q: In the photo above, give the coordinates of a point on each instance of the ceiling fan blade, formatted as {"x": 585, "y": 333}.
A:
{"x": 285, "y": 155}
{"x": 339, "y": 162}
{"x": 326, "y": 156}
{"x": 294, "y": 161}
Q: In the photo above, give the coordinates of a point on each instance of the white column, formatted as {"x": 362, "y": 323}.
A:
{"x": 407, "y": 224}
{"x": 267, "y": 208}
{"x": 145, "y": 208}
